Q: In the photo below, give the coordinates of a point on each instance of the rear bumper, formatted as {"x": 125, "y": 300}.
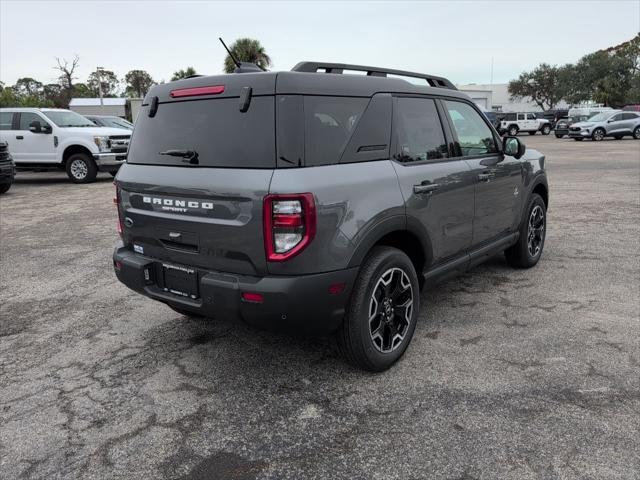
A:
{"x": 296, "y": 304}
{"x": 7, "y": 173}
{"x": 109, "y": 162}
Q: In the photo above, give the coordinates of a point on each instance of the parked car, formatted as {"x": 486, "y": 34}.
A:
{"x": 43, "y": 138}
{"x": 110, "y": 121}
{"x": 562, "y": 126}
{"x": 7, "y": 168}
{"x": 352, "y": 193}
{"x": 614, "y": 123}
{"x": 514, "y": 123}
{"x": 552, "y": 116}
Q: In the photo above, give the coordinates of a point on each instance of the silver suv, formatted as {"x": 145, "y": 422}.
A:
{"x": 320, "y": 202}
{"x": 613, "y": 123}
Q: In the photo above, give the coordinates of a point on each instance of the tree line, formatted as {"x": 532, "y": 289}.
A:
{"x": 610, "y": 77}
{"x": 29, "y": 92}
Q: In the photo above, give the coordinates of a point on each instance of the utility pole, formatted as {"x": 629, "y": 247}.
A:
{"x": 98, "y": 70}
{"x": 491, "y": 71}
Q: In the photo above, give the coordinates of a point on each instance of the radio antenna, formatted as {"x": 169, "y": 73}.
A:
{"x": 235, "y": 60}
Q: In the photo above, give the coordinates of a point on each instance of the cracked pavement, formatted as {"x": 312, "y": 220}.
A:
{"x": 511, "y": 374}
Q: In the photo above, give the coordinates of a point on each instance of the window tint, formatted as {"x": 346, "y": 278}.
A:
{"x": 221, "y": 135}
{"x": 616, "y": 118}
{"x": 6, "y": 119}
{"x": 531, "y": 116}
{"x": 418, "y": 130}
{"x": 510, "y": 116}
{"x": 26, "y": 118}
{"x": 629, "y": 116}
{"x": 329, "y": 123}
{"x": 521, "y": 116}
{"x": 474, "y": 135}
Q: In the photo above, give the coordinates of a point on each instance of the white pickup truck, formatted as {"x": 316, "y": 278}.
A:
{"x": 42, "y": 138}
{"x": 514, "y": 123}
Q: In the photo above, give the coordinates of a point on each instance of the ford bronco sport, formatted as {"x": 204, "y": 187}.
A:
{"x": 319, "y": 201}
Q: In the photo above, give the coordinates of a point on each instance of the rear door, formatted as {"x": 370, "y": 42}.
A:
{"x": 437, "y": 189}
{"x": 6, "y": 125}
{"x": 196, "y": 175}
{"x": 498, "y": 179}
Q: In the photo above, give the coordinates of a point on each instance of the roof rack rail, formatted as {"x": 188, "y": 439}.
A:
{"x": 313, "y": 67}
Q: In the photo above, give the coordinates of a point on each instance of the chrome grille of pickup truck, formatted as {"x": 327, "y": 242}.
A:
{"x": 119, "y": 143}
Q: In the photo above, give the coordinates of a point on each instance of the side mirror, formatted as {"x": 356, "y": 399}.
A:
{"x": 513, "y": 147}
{"x": 47, "y": 129}
{"x": 35, "y": 127}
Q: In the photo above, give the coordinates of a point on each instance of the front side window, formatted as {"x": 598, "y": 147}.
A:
{"x": 6, "y": 120}
{"x": 26, "y": 118}
{"x": 418, "y": 130}
{"x": 474, "y": 135}
{"x": 521, "y": 116}
{"x": 531, "y": 116}
{"x": 616, "y": 118}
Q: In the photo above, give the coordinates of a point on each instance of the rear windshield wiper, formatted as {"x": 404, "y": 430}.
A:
{"x": 190, "y": 156}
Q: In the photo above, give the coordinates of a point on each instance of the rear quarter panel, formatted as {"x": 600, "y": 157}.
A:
{"x": 351, "y": 199}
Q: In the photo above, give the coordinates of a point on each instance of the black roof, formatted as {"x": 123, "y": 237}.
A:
{"x": 309, "y": 83}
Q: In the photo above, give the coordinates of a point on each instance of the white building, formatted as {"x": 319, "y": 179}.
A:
{"x": 496, "y": 97}
{"x": 118, "y": 107}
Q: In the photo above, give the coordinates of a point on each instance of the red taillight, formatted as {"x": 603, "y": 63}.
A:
{"x": 116, "y": 201}
{"x": 252, "y": 297}
{"x": 289, "y": 224}
{"x": 195, "y": 91}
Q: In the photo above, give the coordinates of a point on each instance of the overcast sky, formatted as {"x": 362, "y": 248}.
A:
{"x": 455, "y": 39}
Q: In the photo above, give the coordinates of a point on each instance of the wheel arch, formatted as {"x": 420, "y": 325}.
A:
{"x": 73, "y": 149}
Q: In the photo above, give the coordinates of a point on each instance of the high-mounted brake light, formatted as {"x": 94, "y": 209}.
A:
{"x": 289, "y": 225}
{"x": 195, "y": 91}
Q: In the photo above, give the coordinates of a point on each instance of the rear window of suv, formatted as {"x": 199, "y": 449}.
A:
{"x": 215, "y": 129}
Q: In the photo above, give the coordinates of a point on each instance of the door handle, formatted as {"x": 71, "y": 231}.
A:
{"x": 485, "y": 177}
{"x": 19, "y": 137}
{"x": 428, "y": 189}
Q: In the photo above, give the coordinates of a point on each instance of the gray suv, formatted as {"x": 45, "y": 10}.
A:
{"x": 320, "y": 202}
{"x": 612, "y": 123}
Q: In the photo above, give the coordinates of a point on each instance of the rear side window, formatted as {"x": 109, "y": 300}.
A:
{"x": 629, "y": 116}
{"x": 418, "y": 130}
{"x": 474, "y": 135}
{"x": 215, "y": 129}
{"x": 329, "y": 123}
{"x": 6, "y": 119}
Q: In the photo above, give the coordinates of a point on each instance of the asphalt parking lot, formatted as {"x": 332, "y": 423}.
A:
{"x": 511, "y": 374}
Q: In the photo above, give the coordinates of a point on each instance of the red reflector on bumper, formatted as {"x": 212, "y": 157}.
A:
{"x": 336, "y": 288}
{"x": 195, "y": 91}
{"x": 252, "y": 297}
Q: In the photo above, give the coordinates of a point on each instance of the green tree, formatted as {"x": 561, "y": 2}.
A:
{"x": 247, "y": 50}
{"x": 81, "y": 90}
{"x": 138, "y": 83}
{"x": 542, "y": 85}
{"x": 27, "y": 86}
{"x": 55, "y": 94}
{"x": 180, "y": 74}
{"x": 107, "y": 80}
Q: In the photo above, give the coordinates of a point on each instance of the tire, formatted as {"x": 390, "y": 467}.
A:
{"x": 546, "y": 130}
{"x": 618, "y": 137}
{"x": 578, "y": 139}
{"x": 636, "y": 133}
{"x": 81, "y": 168}
{"x": 4, "y": 188}
{"x": 374, "y": 334}
{"x": 559, "y": 136}
{"x": 598, "y": 135}
{"x": 532, "y": 133}
{"x": 513, "y": 130}
{"x": 533, "y": 230}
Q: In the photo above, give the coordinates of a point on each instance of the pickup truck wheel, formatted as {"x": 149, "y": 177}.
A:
{"x": 81, "y": 168}
{"x": 513, "y": 130}
{"x": 636, "y": 133}
{"x": 559, "y": 136}
{"x": 578, "y": 139}
{"x": 546, "y": 130}
{"x": 4, "y": 187}
{"x": 527, "y": 252}
{"x": 382, "y": 312}
{"x": 598, "y": 135}
{"x": 532, "y": 133}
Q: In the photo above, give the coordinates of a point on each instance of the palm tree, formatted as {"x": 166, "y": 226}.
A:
{"x": 247, "y": 50}
{"x": 180, "y": 74}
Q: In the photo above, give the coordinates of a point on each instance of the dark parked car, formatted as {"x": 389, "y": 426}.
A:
{"x": 110, "y": 121}
{"x": 320, "y": 202}
{"x": 563, "y": 125}
{"x": 7, "y": 168}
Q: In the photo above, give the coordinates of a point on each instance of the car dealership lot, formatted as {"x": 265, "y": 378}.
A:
{"x": 511, "y": 374}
